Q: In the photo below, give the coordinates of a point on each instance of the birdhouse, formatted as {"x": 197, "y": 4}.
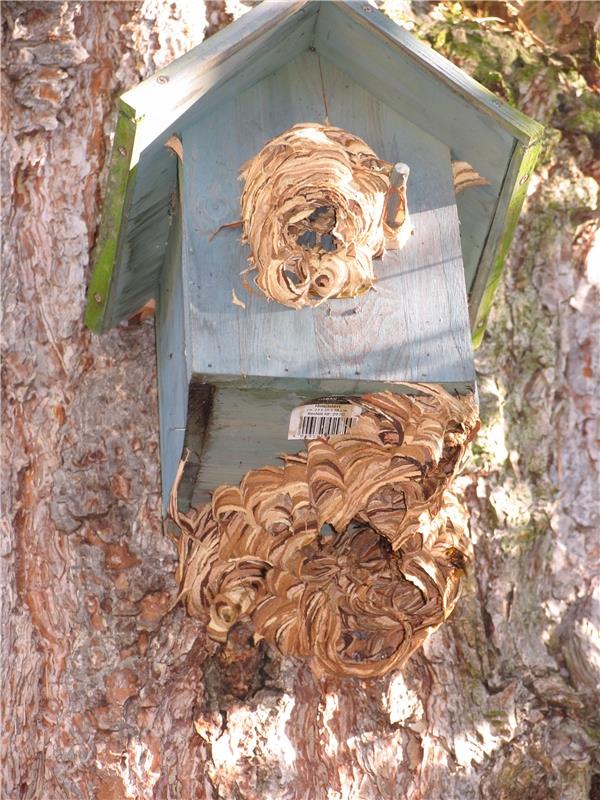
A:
{"x": 233, "y": 364}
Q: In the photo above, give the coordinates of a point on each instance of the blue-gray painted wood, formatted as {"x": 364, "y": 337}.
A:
{"x": 266, "y": 359}
{"x": 477, "y": 209}
{"x": 226, "y": 98}
{"x": 444, "y": 71}
{"x": 212, "y": 73}
{"x": 174, "y": 369}
{"x": 219, "y": 59}
{"x": 496, "y": 245}
{"x": 414, "y": 326}
{"x": 143, "y": 246}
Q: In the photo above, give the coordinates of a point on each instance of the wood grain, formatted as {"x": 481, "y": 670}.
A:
{"x": 500, "y": 236}
{"x": 174, "y": 369}
{"x": 440, "y": 69}
{"x": 387, "y": 61}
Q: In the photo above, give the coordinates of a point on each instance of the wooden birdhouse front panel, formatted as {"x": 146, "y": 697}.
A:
{"x": 414, "y": 326}
{"x": 251, "y": 364}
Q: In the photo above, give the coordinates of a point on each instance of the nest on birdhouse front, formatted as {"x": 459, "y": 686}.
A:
{"x": 348, "y": 555}
{"x": 318, "y": 206}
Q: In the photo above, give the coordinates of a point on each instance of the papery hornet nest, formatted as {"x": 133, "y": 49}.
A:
{"x": 361, "y": 600}
{"x": 318, "y": 206}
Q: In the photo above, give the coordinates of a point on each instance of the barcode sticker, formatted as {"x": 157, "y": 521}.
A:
{"x": 323, "y": 418}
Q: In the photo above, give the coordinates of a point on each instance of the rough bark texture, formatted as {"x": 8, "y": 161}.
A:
{"x": 109, "y": 694}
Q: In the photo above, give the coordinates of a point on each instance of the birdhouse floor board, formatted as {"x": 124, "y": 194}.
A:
{"x": 234, "y": 428}
{"x": 412, "y": 326}
{"x": 247, "y": 429}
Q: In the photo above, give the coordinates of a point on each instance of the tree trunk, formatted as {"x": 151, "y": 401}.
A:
{"x": 107, "y": 692}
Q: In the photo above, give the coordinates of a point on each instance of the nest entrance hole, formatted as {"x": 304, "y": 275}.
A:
{"x": 315, "y": 231}
{"x": 327, "y": 532}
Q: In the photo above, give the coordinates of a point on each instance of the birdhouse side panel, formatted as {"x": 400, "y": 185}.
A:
{"x": 146, "y": 224}
{"x": 500, "y": 236}
{"x": 172, "y": 356}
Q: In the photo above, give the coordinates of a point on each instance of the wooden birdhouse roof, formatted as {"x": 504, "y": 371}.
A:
{"x": 424, "y": 88}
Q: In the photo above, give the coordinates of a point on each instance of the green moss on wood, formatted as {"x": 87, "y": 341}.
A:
{"x": 527, "y": 164}
{"x": 105, "y": 252}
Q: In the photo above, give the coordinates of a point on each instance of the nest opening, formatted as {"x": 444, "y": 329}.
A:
{"x": 315, "y": 232}
{"x": 327, "y": 531}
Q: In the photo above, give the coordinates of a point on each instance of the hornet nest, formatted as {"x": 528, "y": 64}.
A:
{"x": 317, "y": 207}
{"x": 358, "y": 601}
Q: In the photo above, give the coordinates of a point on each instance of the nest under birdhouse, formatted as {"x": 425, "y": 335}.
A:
{"x": 349, "y": 554}
{"x": 314, "y": 213}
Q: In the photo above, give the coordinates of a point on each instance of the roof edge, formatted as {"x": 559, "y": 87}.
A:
{"x": 138, "y": 110}
{"x": 141, "y": 99}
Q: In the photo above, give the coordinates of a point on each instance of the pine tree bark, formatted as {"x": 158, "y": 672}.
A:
{"x": 107, "y": 692}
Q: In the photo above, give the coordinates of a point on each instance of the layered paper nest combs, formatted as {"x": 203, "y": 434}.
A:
{"x": 348, "y": 555}
{"x": 316, "y": 212}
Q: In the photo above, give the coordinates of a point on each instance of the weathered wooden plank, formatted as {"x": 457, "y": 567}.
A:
{"x": 179, "y": 85}
{"x": 110, "y": 233}
{"x": 248, "y": 429}
{"x": 264, "y": 360}
{"x": 414, "y": 327}
{"x": 407, "y": 75}
{"x": 419, "y": 309}
{"x": 199, "y": 417}
{"x": 146, "y": 233}
{"x": 476, "y": 207}
{"x": 387, "y": 67}
{"x": 441, "y": 71}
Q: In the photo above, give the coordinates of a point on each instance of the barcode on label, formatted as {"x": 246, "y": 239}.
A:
{"x": 316, "y": 420}
{"x": 312, "y": 426}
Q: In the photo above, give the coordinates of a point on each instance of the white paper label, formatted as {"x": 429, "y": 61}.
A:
{"x": 323, "y": 418}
